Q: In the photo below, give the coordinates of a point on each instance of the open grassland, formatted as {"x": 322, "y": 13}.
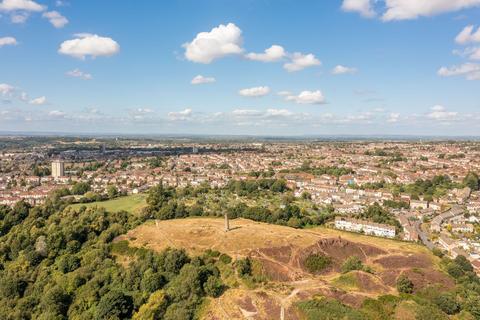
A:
{"x": 198, "y": 234}
{"x": 281, "y": 251}
{"x": 132, "y": 204}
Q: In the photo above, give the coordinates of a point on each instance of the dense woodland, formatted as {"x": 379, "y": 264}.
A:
{"x": 59, "y": 264}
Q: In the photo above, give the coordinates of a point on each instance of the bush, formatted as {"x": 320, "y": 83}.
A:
{"x": 225, "y": 258}
{"x": 316, "y": 263}
{"x": 328, "y": 309}
{"x": 447, "y": 303}
{"x": 404, "y": 284}
{"x": 244, "y": 267}
{"x": 352, "y": 263}
{"x": 213, "y": 286}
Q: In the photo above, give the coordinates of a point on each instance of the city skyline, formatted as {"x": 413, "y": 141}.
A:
{"x": 355, "y": 67}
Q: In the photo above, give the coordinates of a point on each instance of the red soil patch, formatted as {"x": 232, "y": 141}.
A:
{"x": 421, "y": 278}
{"x": 247, "y": 304}
{"x": 425, "y": 278}
{"x": 401, "y": 261}
{"x": 368, "y": 283}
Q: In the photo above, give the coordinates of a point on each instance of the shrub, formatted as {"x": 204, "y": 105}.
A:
{"x": 316, "y": 263}
{"x": 447, "y": 303}
{"x": 352, "y": 263}
{"x": 225, "y": 258}
{"x": 244, "y": 267}
{"x": 404, "y": 284}
{"x": 213, "y": 286}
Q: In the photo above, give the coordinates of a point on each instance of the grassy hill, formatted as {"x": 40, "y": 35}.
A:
{"x": 279, "y": 254}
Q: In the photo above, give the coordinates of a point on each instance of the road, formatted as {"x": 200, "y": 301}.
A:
{"x": 423, "y": 236}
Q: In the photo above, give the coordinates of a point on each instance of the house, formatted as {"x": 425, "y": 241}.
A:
{"x": 463, "y": 228}
{"x": 446, "y": 243}
{"x": 436, "y": 223}
{"x": 435, "y": 206}
{"x": 367, "y": 227}
{"x": 418, "y": 204}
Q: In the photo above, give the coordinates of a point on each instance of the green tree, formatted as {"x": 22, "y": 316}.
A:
{"x": 472, "y": 181}
{"x": 152, "y": 281}
{"x": 112, "y": 191}
{"x": 80, "y": 188}
{"x": 447, "y": 303}
{"x": 404, "y": 284}
{"x": 115, "y": 305}
{"x": 213, "y": 286}
{"x": 154, "y": 308}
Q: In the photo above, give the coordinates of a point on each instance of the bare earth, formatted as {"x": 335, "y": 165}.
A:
{"x": 281, "y": 251}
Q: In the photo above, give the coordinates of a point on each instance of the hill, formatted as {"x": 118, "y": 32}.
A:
{"x": 281, "y": 254}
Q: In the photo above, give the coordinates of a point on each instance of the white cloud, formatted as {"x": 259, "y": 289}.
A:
{"x": 77, "y": 73}
{"x": 301, "y": 61}
{"x": 259, "y": 114}
{"x": 471, "y": 71}
{"x": 472, "y": 53}
{"x": 55, "y": 18}
{"x": 468, "y": 35}
{"x": 24, "y": 96}
{"x": 89, "y": 45}
{"x": 364, "y": 7}
{"x": 19, "y": 10}
{"x": 6, "y": 89}
{"x": 20, "y": 5}
{"x": 19, "y": 18}
{"x": 393, "y": 117}
{"x": 411, "y": 9}
{"x": 246, "y": 112}
{"x": 141, "y": 114}
{"x": 343, "y": 70}
{"x": 254, "y": 92}
{"x": 439, "y": 113}
{"x": 180, "y": 115}
{"x": 407, "y": 9}
{"x": 201, "y": 80}
{"x": 272, "y": 54}
{"x": 219, "y": 42}
{"x": 57, "y": 114}
{"x": 8, "y": 41}
{"x": 38, "y": 101}
{"x": 278, "y": 113}
{"x": 307, "y": 97}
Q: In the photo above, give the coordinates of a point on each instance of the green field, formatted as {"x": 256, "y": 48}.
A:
{"x": 132, "y": 204}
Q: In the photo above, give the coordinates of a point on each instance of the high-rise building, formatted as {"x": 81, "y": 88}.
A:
{"x": 58, "y": 168}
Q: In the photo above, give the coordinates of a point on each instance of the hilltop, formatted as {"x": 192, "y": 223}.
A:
{"x": 281, "y": 253}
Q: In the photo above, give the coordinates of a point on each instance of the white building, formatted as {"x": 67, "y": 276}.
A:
{"x": 367, "y": 227}
{"x": 58, "y": 169}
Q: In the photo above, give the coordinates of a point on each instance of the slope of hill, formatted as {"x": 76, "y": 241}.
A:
{"x": 282, "y": 254}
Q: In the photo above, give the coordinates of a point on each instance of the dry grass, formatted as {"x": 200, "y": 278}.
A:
{"x": 281, "y": 250}
{"x": 198, "y": 234}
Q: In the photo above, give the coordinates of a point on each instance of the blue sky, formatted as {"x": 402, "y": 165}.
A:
{"x": 338, "y": 67}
